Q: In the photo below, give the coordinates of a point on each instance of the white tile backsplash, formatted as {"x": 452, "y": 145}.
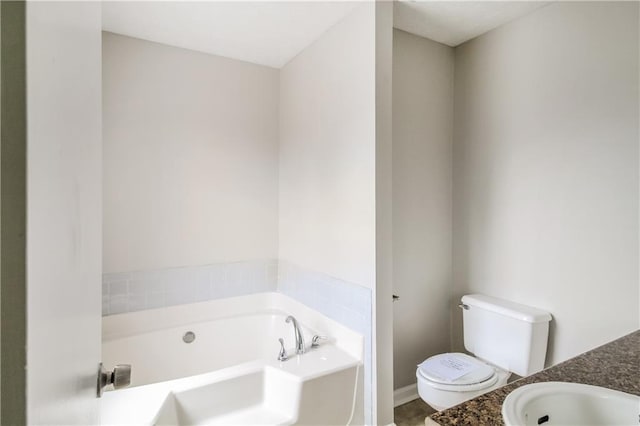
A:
{"x": 140, "y": 290}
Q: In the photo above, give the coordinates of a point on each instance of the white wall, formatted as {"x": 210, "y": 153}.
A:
{"x": 327, "y": 189}
{"x": 327, "y": 153}
{"x": 422, "y": 181}
{"x": 546, "y": 169}
{"x": 383, "y": 311}
{"x": 190, "y": 157}
{"x": 64, "y": 212}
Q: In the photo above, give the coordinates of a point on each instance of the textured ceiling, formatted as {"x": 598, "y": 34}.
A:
{"x": 454, "y": 22}
{"x": 273, "y": 32}
{"x": 265, "y": 32}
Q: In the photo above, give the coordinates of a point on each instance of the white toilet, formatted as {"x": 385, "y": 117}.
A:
{"x": 504, "y": 337}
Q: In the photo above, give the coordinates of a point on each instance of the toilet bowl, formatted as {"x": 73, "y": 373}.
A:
{"x": 503, "y": 336}
{"x": 442, "y": 391}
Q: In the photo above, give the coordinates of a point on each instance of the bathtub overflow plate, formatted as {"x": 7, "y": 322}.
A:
{"x": 189, "y": 337}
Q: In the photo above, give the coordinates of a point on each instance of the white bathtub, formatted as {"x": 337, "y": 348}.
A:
{"x": 230, "y": 373}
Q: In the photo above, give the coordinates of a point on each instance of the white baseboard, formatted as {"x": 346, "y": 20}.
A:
{"x": 405, "y": 394}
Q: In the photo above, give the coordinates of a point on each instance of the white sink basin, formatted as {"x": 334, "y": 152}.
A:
{"x": 558, "y": 403}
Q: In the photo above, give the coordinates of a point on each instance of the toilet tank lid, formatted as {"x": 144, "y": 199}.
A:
{"x": 506, "y": 308}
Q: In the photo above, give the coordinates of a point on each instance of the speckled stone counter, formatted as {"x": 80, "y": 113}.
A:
{"x": 615, "y": 365}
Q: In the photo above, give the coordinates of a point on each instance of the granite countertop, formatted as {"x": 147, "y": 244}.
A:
{"x": 615, "y": 365}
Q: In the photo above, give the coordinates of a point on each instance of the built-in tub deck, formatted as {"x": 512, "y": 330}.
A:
{"x": 230, "y": 374}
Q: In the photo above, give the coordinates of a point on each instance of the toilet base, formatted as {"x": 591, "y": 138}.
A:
{"x": 441, "y": 400}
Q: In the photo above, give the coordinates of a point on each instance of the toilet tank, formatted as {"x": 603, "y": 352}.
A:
{"x": 507, "y": 334}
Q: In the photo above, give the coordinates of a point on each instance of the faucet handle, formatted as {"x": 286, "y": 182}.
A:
{"x": 282, "y": 356}
{"x": 315, "y": 340}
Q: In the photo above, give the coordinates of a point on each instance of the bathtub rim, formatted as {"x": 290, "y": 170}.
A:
{"x": 133, "y": 323}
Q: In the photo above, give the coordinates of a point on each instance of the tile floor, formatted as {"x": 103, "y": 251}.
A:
{"x": 412, "y": 413}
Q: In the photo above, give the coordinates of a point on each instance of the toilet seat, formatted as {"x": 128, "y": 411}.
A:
{"x": 441, "y": 396}
{"x": 482, "y": 376}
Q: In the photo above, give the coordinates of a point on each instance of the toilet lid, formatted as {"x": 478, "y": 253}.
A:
{"x": 455, "y": 369}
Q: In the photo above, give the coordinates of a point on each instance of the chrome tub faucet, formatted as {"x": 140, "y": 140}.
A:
{"x": 300, "y": 347}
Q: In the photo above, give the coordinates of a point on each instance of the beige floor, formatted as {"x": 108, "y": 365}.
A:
{"x": 412, "y": 413}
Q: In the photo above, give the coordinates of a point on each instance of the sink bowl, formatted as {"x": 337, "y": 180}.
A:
{"x": 559, "y": 403}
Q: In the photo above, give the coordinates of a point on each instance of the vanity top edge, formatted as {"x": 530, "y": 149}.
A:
{"x": 614, "y": 365}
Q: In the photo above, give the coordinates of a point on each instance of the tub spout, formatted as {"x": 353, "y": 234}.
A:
{"x": 300, "y": 348}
